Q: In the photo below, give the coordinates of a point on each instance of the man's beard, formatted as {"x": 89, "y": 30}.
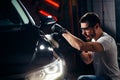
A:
{"x": 90, "y": 37}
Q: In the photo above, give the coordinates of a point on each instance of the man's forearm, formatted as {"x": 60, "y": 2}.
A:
{"x": 73, "y": 41}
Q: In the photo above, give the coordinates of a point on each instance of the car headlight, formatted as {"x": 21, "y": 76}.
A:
{"x": 52, "y": 71}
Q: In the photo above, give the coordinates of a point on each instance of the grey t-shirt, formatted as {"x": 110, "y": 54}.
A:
{"x": 105, "y": 62}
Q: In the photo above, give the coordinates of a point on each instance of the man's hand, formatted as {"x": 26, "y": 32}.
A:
{"x": 58, "y": 28}
{"x": 87, "y": 56}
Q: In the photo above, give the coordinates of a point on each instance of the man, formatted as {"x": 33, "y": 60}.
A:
{"x": 101, "y": 48}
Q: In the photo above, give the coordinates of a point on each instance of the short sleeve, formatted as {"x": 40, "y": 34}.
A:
{"x": 105, "y": 42}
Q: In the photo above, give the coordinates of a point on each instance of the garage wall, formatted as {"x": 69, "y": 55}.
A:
{"x": 117, "y": 8}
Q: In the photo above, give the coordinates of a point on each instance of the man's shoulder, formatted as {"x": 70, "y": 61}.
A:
{"x": 106, "y": 36}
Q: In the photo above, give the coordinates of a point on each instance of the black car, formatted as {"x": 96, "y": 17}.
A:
{"x": 25, "y": 52}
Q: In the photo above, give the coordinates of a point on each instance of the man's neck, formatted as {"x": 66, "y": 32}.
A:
{"x": 98, "y": 34}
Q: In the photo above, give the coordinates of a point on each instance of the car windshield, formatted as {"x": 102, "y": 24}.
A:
{"x": 9, "y": 13}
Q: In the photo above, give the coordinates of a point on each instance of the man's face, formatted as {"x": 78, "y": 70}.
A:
{"x": 88, "y": 32}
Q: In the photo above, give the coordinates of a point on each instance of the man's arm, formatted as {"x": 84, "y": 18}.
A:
{"x": 76, "y": 42}
{"x": 81, "y": 45}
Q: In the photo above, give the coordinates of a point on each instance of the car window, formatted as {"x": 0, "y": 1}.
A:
{"x": 9, "y": 14}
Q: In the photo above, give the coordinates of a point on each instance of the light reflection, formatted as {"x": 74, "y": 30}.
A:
{"x": 42, "y": 47}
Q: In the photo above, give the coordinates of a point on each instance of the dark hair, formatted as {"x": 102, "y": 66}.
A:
{"x": 91, "y": 18}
